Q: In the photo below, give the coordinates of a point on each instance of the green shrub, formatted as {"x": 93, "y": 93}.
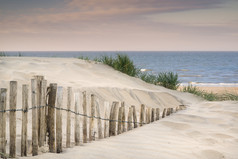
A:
{"x": 147, "y": 77}
{"x": 168, "y": 80}
{"x": 121, "y": 63}
{"x": 2, "y": 54}
{"x": 124, "y": 64}
{"x": 107, "y": 60}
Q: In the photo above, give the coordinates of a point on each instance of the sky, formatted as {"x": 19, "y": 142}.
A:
{"x": 118, "y": 25}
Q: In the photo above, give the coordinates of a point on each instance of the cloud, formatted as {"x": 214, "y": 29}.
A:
{"x": 90, "y": 15}
{"x": 158, "y": 5}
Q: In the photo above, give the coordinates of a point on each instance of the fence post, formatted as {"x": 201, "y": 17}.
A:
{"x": 85, "y": 118}
{"x": 129, "y": 124}
{"x": 168, "y": 112}
{"x": 142, "y": 114}
{"x": 134, "y": 116}
{"x": 76, "y": 124}
{"x": 51, "y": 116}
{"x": 42, "y": 113}
{"x": 38, "y": 103}
{"x": 119, "y": 121}
{"x": 113, "y": 118}
{"x": 3, "y": 102}
{"x": 25, "y": 90}
{"x": 34, "y": 119}
{"x": 100, "y": 136}
{"x": 59, "y": 120}
{"x": 106, "y": 122}
{"x": 157, "y": 113}
{"x": 152, "y": 114}
{"x": 68, "y": 129}
{"x": 171, "y": 110}
{"x": 164, "y": 112}
{"x": 123, "y": 117}
{"x": 148, "y": 115}
{"x": 12, "y": 118}
{"x": 91, "y": 128}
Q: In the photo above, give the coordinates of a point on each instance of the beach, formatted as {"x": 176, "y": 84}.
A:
{"x": 216, "y": 89}
{"x": 221, "y": 89}
{"x": 203, "y": 130}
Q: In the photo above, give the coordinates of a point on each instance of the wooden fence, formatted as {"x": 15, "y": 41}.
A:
{"x": 46, "y": 108}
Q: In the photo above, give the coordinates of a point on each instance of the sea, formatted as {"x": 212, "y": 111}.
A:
{"x": 204, "y": 68}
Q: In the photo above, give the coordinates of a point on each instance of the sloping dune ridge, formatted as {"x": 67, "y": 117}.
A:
{"x": 205, "y": 130}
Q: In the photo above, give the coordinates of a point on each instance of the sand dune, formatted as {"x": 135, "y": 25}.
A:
{"x": 204, "y": 130}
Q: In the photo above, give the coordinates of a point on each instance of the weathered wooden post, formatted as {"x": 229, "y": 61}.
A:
{"x": 123, "y": 117}
{"x": 148, "y": 115}
{"x": 99, "y": 121}
{"x": 12, "y": 118}
{"x": 168, "y": 112}
{"x": 113, "y": 118}
{"x": 152, "y": 114}
{"x": 38, "y": 103}
{"x": 134, "y": 116}
{"x": 91, "y": 128}
{"x": 171, "y": 110}
{"x": 3, "y": 103}
{"x": 157, "y": 113}
{"x": 106, "y": 122}
{"x": 85, "y": 118}
{"x": 119, "y": 123}
{"x": 129, "y": 124}
{"x": 34, "y": 118}
{"x": 76, "y": 123}
{"x": 68, "y": 128}
{"x": 142, "y": 115}
{"x": 51, "y": 116}
{"x": 59, "y": 120}
{"x": 164, "y": 113}
{"x": 25, "y": 90}
{"x": 42, "y": 113}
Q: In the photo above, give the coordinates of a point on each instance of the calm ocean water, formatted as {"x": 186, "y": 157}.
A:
{"x": 200, "y": 68}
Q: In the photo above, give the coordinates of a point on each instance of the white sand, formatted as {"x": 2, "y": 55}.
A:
{"x": 205, "y": 130}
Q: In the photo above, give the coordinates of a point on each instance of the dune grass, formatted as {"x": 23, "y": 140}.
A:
{"x": 166, "y": 79}
{"x": 3, "y": 54}
{"x": 125, "y": 65}
{"x": 210, "y": 96}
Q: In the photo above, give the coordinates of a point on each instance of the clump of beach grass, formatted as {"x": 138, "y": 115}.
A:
{"x": 166, "y": 79}
{"x": 121, "y": 63}
{"x": 125, "y": 65}
{"x": 148, "y": 77}
{"x": 210, "y": 96}
{"x": 3, "y": 54}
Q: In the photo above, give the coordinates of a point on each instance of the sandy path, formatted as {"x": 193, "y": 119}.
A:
{"x": 204, "y": 131}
